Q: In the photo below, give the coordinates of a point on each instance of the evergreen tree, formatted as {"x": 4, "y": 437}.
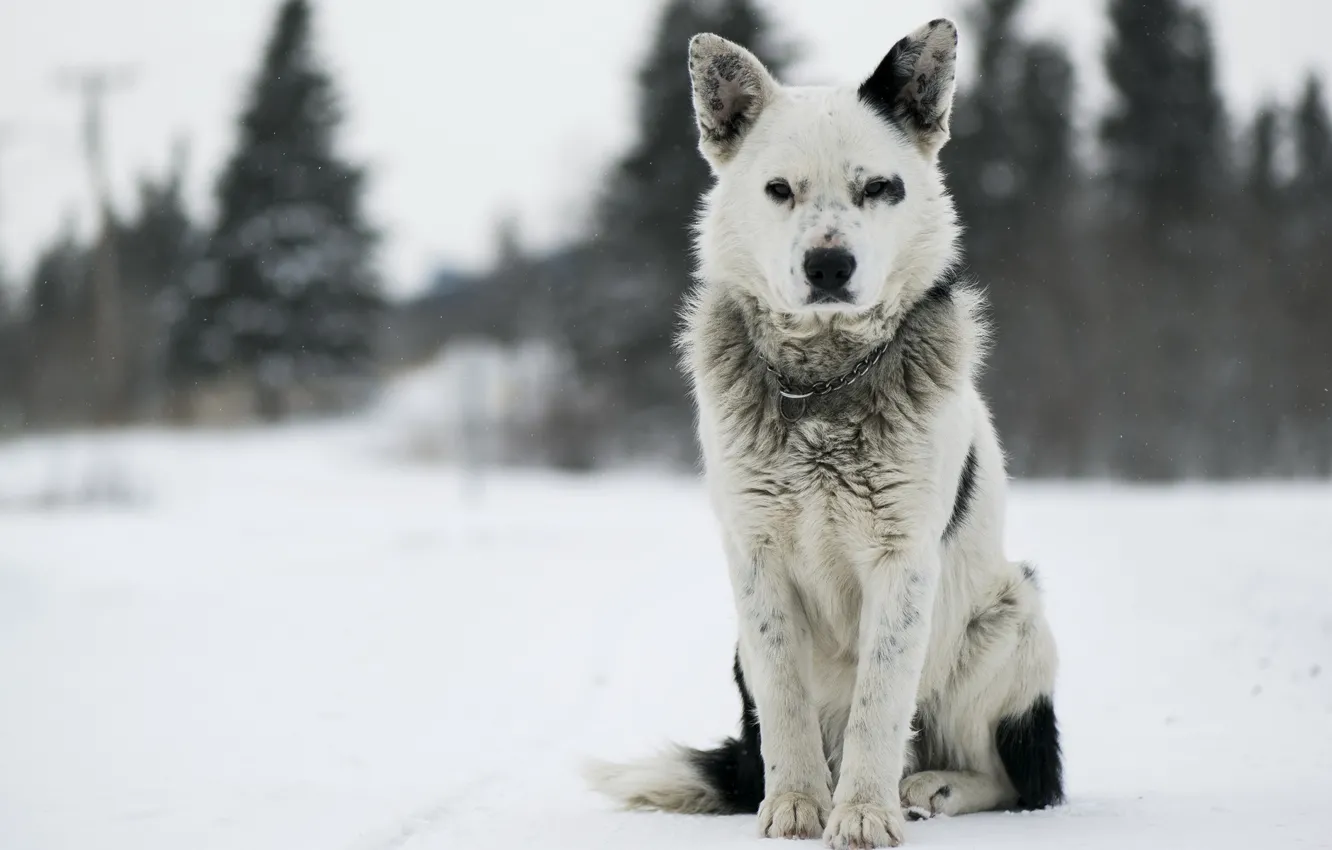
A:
{"x": 159, "y": 246}
{"x": 1310, "y": 346}
{"x": 1311, "y": 184}
{"x": 623, "y": 326}
{"x": 1164, "y": 140}
{"x": 1044, "y": 123}
{"x": 1042, "y": 297}
{"x": 1260, "y": 173}
{"x": 981, "y": 157}
{"x": 58, "y": 287}
{"x": 1313, "y": 146}
{"x": 161, "y": 241}
{"x": 288, "y": 295}
{"x": 57, "y": 383}
{"x": 1172, "y": 263}
{"x": 1012, "y": 146}
{"x": 1013, "y": 173}
{"x": 10, "y": 355}
{"x": 1259, "y": 328}
{"x": 8, "y": 314}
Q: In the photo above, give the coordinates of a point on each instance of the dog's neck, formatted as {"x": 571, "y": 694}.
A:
{"x": 807, "y": 349}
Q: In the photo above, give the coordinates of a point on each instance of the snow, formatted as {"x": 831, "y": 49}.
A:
{"x": 290, "y": 638}
{"x": 477, "y": 403}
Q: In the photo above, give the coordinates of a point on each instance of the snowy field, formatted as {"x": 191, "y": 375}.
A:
{"x": 285, "y": 640}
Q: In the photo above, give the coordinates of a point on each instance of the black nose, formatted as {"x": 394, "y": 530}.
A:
{"x": 829, "y": 269}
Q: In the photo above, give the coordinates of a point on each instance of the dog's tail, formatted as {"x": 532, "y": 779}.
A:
{"x": 727, "y": 780}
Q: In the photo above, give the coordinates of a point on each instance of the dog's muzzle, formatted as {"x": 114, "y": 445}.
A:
{"x": 828, "y": 272}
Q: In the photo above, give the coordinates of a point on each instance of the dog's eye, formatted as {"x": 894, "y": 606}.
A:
{"x": 887, "y": 189}
{"x": 779, "y": 190}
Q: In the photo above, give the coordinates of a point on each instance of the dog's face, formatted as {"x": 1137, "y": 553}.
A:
{"x": 822, "y": 193}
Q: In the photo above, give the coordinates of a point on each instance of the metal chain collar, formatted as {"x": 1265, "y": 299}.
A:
{"x": 788, "y": 390}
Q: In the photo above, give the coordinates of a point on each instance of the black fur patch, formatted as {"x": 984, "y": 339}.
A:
{"x": 894, "y": 191}
{"x": 1029, "y": 573}
{"x": 930, "y": 754}
{"x": 942, "y": 290}
{"x": 966, "y": 491}
{"x": 1028, "y": 746}
{"x": 890, "y": 92}
{"x": 735, "y": 769}
{"x": 881, "y": 91}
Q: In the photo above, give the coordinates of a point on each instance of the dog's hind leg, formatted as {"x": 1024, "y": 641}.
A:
{"x": 988, "y": 740}
{"x": 953, "y": 792}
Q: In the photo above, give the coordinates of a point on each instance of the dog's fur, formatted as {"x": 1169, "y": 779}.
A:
{"x": 890, "y": 656}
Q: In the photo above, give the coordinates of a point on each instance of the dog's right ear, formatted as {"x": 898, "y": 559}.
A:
{"x": 731, "y": 87}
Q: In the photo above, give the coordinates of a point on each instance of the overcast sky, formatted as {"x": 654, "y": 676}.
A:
{"x": 464, "y": 110}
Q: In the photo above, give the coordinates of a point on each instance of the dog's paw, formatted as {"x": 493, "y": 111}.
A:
{"x": 927, "y": 794}
{"x": 792, "y": 815}
{"x": 858, "y": 826}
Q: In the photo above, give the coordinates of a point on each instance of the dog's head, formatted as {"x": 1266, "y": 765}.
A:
{"x": 827, "y": 200}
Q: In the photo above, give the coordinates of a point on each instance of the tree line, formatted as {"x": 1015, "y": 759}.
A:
{"x": 1161, "y": 308}
{"x": 1161, "y": 305}
{"x": 272, "y": 306}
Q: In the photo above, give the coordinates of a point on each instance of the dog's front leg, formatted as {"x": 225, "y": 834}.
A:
{"x": 898, "y": 593}
{"x": 776, "y": 654}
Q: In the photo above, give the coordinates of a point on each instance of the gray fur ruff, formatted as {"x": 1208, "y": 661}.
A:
{"x": 933, "y": 347}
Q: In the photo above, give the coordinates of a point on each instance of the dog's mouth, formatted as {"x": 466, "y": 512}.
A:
{"x": 840, "y": 296}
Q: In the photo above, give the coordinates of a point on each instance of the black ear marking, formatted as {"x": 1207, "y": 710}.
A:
{"x": 913, "y": 85}
{"x": 881, "y": 90}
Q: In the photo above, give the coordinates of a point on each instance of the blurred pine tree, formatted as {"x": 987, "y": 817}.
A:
{"x": 288, "y": 294}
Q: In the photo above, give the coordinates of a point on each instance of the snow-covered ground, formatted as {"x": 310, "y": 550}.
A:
{"x": 285, "y": 640}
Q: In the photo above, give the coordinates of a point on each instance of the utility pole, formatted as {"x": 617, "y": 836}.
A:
{"x": 93, "y": 85}
{"x": 9, "y": 378}
{"x": 6, "y": 139}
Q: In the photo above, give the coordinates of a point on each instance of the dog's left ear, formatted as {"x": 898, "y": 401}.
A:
{"x": 913, "y": 85}
{"x": 731, "y": 87}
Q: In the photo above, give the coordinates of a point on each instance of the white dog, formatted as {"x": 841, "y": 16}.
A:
{"x": 890, "y": 656}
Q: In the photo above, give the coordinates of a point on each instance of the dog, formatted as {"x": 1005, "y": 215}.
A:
{"x": 891, "y": 660}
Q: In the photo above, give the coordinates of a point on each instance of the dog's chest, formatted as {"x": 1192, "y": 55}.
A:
{"x": 848, "y": 472}
{"x": 828, "y": 511}
{"x": 831, "y": 486}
